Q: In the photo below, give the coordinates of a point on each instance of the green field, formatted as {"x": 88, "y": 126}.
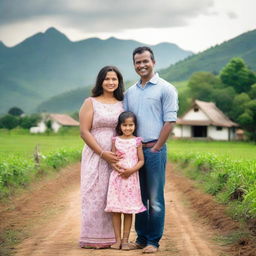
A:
{"x": 233, "y": 150}
{"x": 24, "y": 145}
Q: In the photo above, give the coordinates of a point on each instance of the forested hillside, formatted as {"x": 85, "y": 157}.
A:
{"x": 214, "y": 58}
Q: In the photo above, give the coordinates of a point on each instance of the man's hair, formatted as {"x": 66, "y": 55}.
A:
{"x": 140, "y": 50}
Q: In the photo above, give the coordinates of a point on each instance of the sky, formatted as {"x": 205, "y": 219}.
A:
{"x": 191, "y": 24}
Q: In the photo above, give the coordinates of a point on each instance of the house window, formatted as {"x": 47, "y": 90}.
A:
{"x": 196, "y": 109}
{"x": 218, "y": 128}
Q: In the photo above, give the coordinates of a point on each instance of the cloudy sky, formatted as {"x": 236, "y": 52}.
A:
{"x": 192, "y": 24}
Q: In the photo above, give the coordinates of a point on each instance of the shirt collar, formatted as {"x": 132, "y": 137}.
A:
{"x": 152, "y": 81}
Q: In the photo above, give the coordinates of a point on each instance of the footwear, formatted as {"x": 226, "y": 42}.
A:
{"x": 125, "y": 247}
{"x": 116, "y": 246}
{"x": 136, "y": 246}
{"x": 150, "y": 249}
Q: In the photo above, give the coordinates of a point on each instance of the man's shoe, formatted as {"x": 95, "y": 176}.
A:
{"x": 150, "y": 249}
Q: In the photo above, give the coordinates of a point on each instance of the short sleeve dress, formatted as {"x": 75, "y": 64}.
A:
{"x": 96, "y": 224}
{"x": 124, "y": 195}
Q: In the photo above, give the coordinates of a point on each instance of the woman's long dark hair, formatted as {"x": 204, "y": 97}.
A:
{"x": 98, "y": 90}
{"x": 121, "y": 119}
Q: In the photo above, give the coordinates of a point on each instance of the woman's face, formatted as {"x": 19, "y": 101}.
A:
{"x": 110, "y": 83}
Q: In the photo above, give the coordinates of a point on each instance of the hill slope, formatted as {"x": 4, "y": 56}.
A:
{"x": 215, "y": 58}
{"x": 48, "y": 64}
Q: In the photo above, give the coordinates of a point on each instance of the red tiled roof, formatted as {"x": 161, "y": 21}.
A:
{"x": 63, "y": 119}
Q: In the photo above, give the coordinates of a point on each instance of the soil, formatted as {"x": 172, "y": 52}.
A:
{"x": 48, "y": 217}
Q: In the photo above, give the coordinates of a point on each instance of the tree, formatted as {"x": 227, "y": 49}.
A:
{"x": 237, "y": 75}
{"x": 224, "y": 98}
{"x": 27, "y": 122}
{"x": 252, "y": 92}
{"x": 9, "y": 122}
{"x": 201, "y": 85}
{"x": 15, "y": 111}
{"x": 238, "y": 106}
{"x": 248, "y": 119}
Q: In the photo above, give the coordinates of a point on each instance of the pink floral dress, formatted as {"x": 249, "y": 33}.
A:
{"x": 96, "y": 224}
{"x": 124, "y": 194}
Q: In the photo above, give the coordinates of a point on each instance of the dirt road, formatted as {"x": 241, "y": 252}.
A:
{"x": 50, "y": 215}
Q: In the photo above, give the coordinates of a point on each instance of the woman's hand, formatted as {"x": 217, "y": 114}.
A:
{"x": 110, "y": 157}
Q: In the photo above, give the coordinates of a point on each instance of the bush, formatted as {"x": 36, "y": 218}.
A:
{"x": 9, "y": 122}
{"x": 17, "y": 171}
{"x": 234, "y": 181}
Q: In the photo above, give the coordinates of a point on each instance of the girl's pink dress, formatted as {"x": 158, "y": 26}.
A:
{"x": 96, "y": 224}
{"x": 124, "y": 194}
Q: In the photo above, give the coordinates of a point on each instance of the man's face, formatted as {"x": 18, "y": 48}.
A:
{"x": 144, "y": 65}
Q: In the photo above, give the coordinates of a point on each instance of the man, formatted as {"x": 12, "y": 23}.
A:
{"x": 155, "y": 103}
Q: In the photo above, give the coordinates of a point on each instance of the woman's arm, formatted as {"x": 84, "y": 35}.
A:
{"x": 86, "y": 118}
{"x": 128, "y": 171}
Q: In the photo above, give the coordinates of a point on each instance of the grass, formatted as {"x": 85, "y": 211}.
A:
{"x": 232, "y": 150}
{"x": 24, "y": 145}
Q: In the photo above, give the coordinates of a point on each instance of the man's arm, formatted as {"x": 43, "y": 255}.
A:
{"x": 170, "y": 108}
{"x": 164, "y": 134}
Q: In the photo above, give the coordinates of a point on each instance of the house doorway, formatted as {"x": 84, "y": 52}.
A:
{"x": 199, "y": 131}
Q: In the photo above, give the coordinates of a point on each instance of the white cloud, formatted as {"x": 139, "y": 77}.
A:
{"x": 192, "y": 24}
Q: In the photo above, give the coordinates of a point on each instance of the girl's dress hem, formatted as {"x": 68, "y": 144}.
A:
{"x": 128, "y": 211}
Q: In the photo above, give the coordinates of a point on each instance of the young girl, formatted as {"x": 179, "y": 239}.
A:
{"x": 124, "y": 196}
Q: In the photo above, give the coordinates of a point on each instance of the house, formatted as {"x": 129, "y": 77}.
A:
{"x": 205, "y": 120}
{"x": 40, "y": 128}
{"x": 57, "y": 121}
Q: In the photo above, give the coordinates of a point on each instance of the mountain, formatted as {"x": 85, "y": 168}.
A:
{"x": 66, "y": 102}
{"x": 47, "y": 64}
{"x": 215, "y": 58}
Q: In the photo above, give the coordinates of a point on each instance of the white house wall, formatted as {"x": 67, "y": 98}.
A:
{"x": 192, "y": 115}
{"x": 213, "y": 133}
{"x": 183, "y": 131}
{"x": 55, "y": 126}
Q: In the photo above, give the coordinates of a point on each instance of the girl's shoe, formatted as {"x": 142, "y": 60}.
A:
{"x": 125, "y": 246}
{"x": 116, "y": 246}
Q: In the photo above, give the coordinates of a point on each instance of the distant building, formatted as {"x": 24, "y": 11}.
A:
{"x": 57, "y": 121}
{"x": 205, "y": 120}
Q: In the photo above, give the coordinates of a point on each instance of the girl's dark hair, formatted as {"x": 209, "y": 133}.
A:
{"x": 98, "y": 90}
{"x": 121, "y": 119}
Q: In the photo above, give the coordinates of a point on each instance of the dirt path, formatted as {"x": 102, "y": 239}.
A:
{"x": 54, "y": 230}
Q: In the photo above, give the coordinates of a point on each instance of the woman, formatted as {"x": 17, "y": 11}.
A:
{"x": 98, "y": 117}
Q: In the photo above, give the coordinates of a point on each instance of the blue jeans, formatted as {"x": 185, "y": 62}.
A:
{"x": 149, "y": 225}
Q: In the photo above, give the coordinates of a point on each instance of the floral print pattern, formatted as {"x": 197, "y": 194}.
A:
{"x": 96, "y": 224}
{"x": 124, "y": 194}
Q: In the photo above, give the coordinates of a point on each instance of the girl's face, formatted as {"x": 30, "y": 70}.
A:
{"x": 128, "y": 126}
{"x": 110, "y": 83}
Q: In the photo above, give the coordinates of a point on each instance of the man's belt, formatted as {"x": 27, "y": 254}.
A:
{"x": 149, "y": 144}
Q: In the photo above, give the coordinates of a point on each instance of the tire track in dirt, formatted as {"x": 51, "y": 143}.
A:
{"x": 57, "y": 232}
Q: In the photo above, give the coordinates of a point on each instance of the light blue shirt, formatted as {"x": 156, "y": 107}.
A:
{"x": 153, "y": 104}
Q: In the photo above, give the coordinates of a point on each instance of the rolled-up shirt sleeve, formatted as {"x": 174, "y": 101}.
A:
{"x": 170, "y": 104}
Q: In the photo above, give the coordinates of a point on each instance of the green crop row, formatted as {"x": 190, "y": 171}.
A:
{"x": 18, "y": 171}
{"x": 233, "y": 182}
